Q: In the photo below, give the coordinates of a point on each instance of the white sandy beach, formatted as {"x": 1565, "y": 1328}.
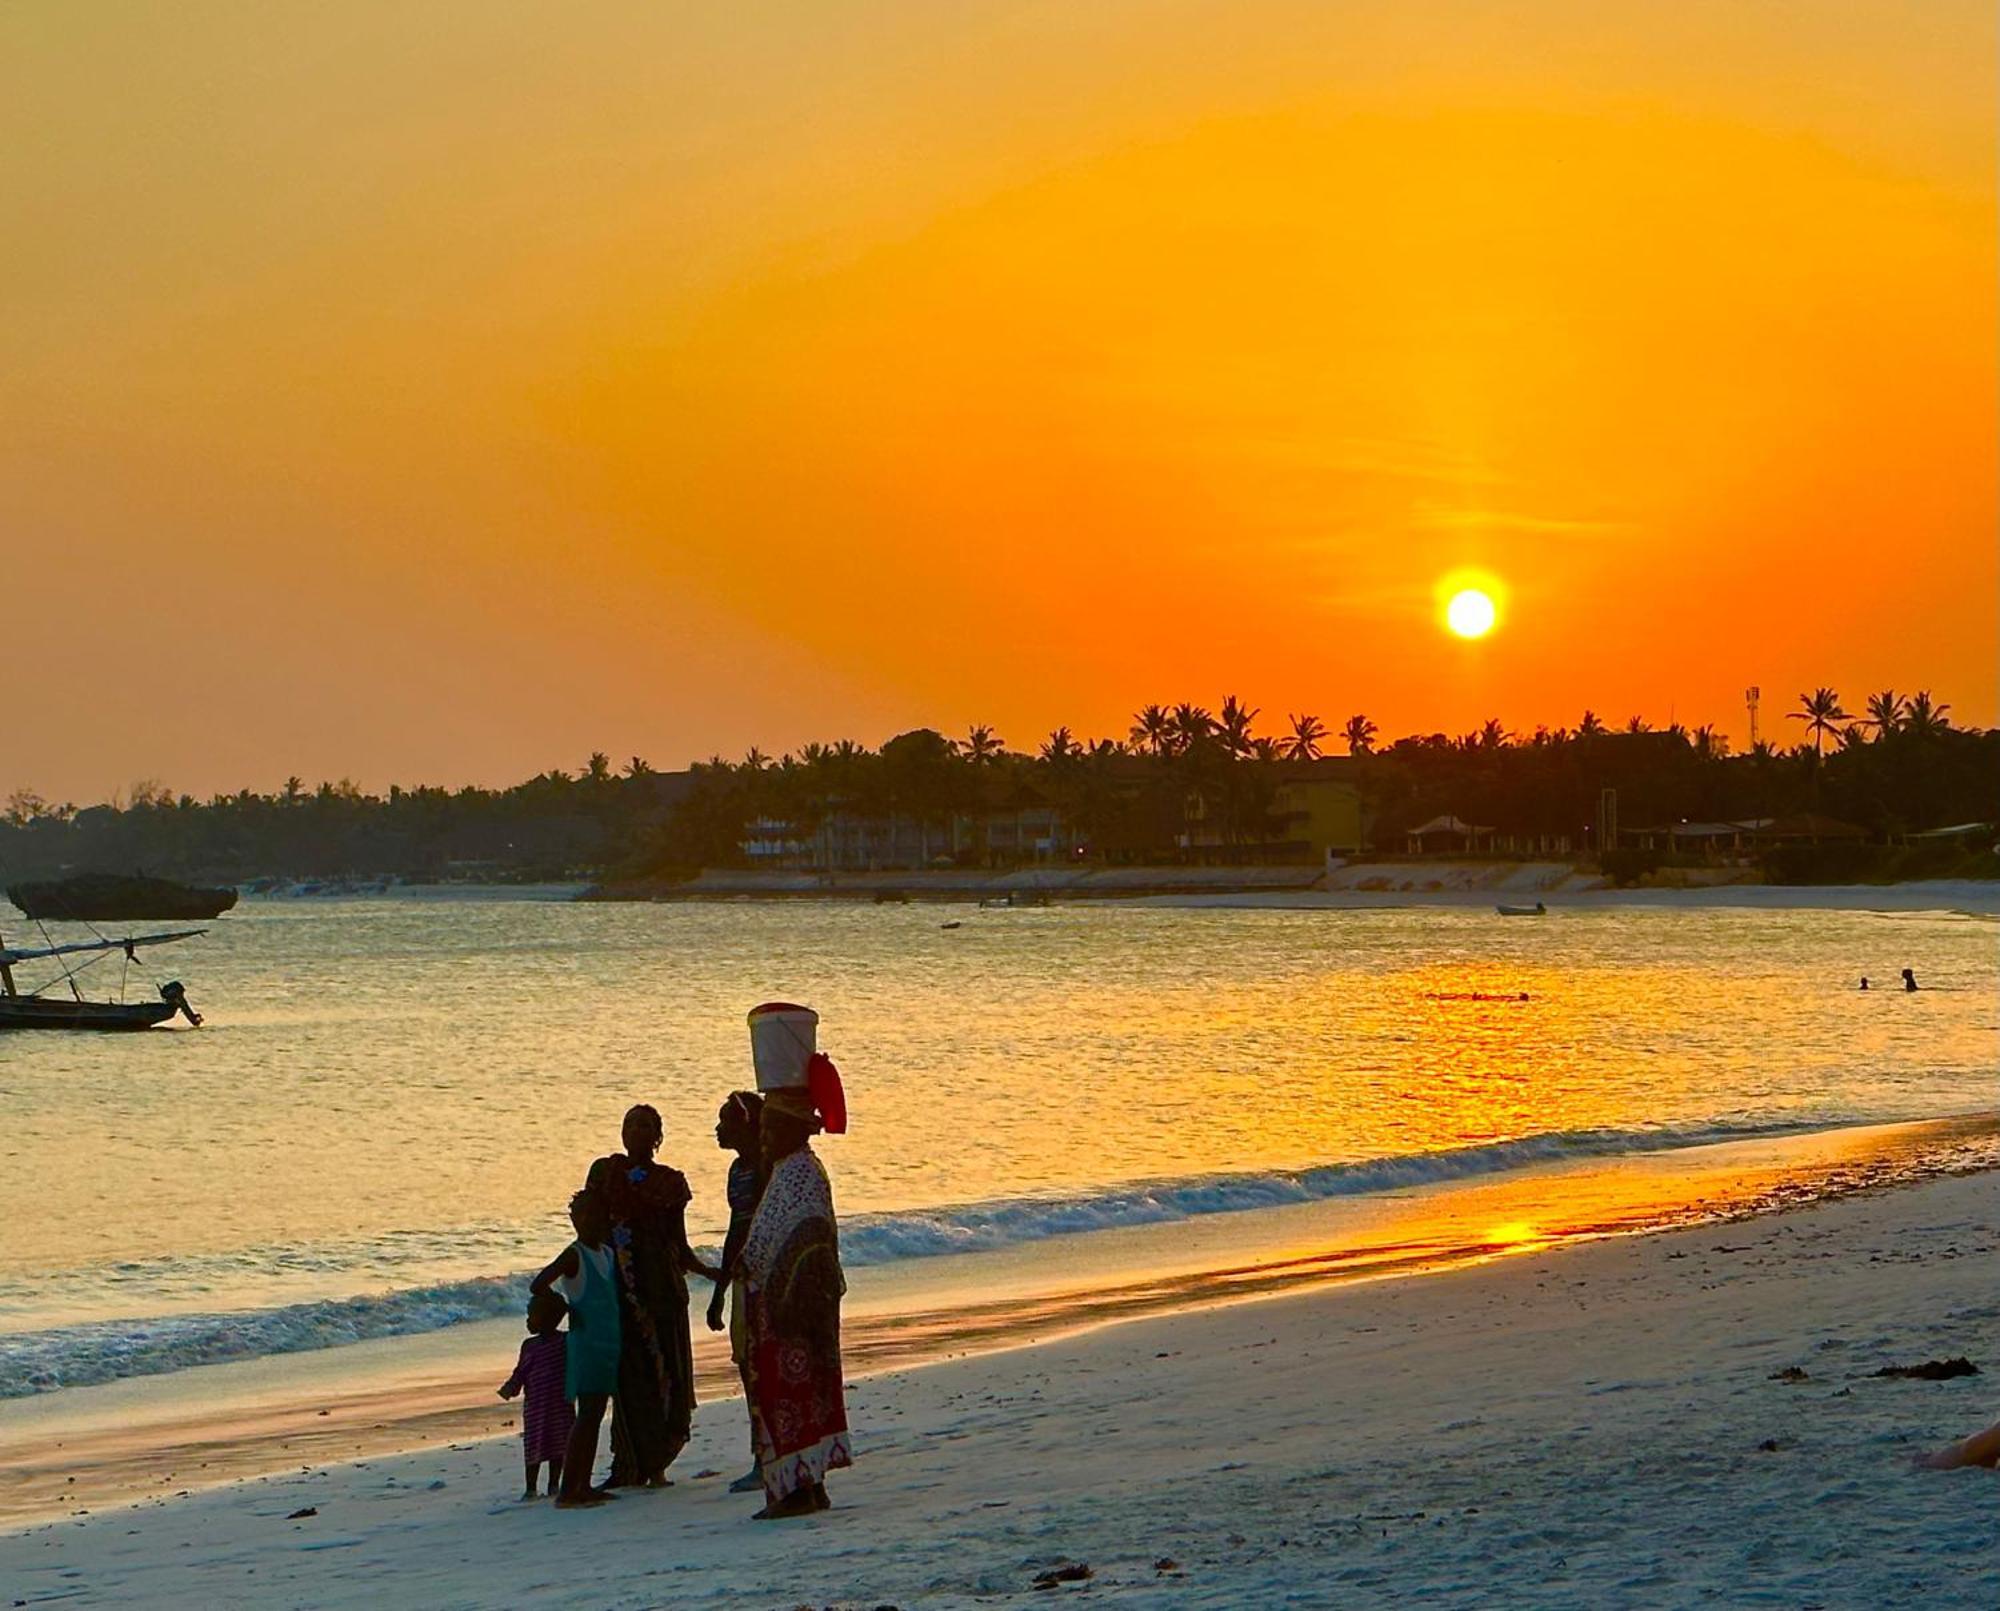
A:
{"x": 1480, "y": 887}
{"x": 1597, "y": 1427}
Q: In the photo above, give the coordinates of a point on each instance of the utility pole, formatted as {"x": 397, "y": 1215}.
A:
{"x": 1750, "y": 697}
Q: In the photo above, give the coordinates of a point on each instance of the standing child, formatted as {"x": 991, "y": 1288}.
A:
{"x": 588, "y": 1281}
{"x": 736, "y": 1129}
{"x": 546, "y": 1418}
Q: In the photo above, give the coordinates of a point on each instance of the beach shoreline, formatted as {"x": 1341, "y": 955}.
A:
{"x": 1605, "y": 1425}
{"x": 173, "y": 1437}
{"x": 1360, "y": 885}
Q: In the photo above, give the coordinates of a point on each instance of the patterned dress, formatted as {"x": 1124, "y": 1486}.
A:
{"x": 654, "y": 1411}
{"x": 546, "y": 1416}
{"x": 793, "y": 1287}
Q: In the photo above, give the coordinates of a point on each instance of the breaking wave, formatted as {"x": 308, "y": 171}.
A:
{"x": 102, "y": 1351}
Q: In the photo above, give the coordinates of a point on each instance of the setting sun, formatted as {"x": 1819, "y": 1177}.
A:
{"x": 1470, "y": 613}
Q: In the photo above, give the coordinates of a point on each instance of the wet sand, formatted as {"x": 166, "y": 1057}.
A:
{"x": 1694, "y": 1417}
{"x": 90, "y": 1449}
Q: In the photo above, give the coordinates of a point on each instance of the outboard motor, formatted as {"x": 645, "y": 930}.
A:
{"x": 172, "y": 992}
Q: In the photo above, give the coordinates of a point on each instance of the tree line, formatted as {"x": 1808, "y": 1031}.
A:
{"x": 1184, "y": 781}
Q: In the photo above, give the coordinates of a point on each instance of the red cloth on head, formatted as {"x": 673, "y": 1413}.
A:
{"x": 823, "y": 1081}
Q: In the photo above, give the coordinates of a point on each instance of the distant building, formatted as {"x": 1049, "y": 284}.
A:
{"x": 1729, "y": 841}
{"x": 1448, "y": 836}
{"x": 1315, "y": 816}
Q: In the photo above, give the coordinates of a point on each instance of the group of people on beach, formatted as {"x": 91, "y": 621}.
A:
{"x": 621, "y": 1286}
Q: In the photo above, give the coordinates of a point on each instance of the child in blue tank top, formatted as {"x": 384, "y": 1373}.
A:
{"x": 584, "y": 1275}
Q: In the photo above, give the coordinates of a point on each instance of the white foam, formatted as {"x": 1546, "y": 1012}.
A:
{"x": 101, "y": 1351}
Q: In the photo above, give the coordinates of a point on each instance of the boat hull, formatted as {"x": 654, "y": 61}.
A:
{"x": 38, "y": 1012}
{"x": 111, "y": 898}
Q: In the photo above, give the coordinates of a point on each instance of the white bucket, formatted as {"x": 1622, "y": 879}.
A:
{"x": 782, "y": 1038}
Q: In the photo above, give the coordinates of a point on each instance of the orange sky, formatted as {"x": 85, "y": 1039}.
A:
{"x": 430, "y": 391}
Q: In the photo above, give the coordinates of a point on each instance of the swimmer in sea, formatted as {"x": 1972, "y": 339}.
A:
{"x": 1909, "y": 980}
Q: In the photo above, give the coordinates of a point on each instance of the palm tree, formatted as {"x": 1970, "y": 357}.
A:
{"x": 1360, "y": 735}
{"x": 1060, "y": 746}
{"x": 1307, "y": 735}
{"x": 295, "y": 791}
{"x": 1267, "y": 749}
{"x": 1492, "y": 736}
{"x": 1709, "y": 744}
{"x": 597, "y": 770}
{"x": 1638, "y": 724}
{"x": 982, "y": 746}
{"x": 1233, "y": 726}
{"x": 1820, "y": 711}
{"x": 1153, "y": 728}
{"x": 1921, "y": 718}
{"x": 1885, "y": 712}
{"x": 637, "y": 767}
{"x": 1588, "y": 725}
{"x": 1192, "y": 724}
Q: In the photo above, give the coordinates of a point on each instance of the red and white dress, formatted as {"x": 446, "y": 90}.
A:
{"x": 793, "y": 1287}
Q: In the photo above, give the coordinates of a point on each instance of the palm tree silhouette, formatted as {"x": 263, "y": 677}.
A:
{"x": 1588, "y": 726}
{"x": 1885, "y": 712}
{"x": 1820, "y": 711}
{"x": 1192, "y": 724}
{"x": 982, "y": 746}
{"x": 1360, "y": 735}
{"x": 1921, "y": 718}
{"x": 1060, "y": 746}
{"x": 1153, "y": 728}
{"x": 1307, "y": 735}
{"x": 1233, "y": 726}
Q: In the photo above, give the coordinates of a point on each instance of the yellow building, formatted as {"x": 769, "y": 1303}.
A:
{"x": 1318, "y": 814}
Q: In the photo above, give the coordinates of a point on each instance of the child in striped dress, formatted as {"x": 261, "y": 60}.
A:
{"x": 546, "y": 1416}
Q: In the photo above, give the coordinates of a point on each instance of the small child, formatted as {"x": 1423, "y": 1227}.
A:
{"x": 587, "y": 1277}
{"x": 546, "y": 1416}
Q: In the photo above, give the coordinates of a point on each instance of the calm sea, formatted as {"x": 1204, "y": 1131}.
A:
{"x": 380, "y": 1124}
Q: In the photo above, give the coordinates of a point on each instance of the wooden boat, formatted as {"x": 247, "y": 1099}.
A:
{"x": 1537, "y": 910}
{"x": 35, "y": 1009}
{"x": 119, "y": 898}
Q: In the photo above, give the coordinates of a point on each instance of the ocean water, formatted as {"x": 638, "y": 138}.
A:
{"x": 379, "y": 1126}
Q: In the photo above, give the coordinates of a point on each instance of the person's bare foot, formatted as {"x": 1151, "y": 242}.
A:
{"x": 583, "y": 1501}
{"x": 820, "y": 1500}
{"x": 799, "y": 1502}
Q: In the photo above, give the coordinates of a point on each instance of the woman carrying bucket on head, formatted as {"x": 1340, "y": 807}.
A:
{"x": 791, "y": 1269}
